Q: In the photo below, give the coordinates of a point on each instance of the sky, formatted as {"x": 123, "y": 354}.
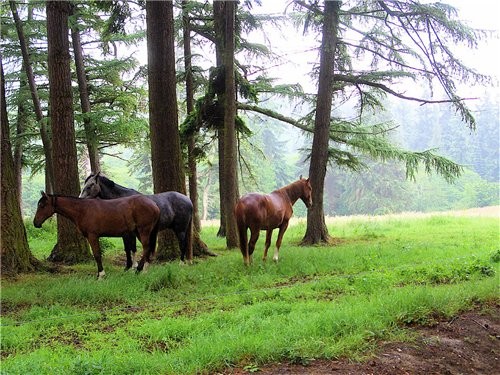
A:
{"x": 480, "y": 14}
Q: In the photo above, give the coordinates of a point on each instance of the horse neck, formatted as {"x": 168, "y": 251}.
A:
{"x": 116, "y": 191}
{"x": 292, "y": 191}
{"x": 69, "y": 207}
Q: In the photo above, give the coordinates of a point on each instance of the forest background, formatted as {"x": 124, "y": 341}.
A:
{"x": 274, "y": 153}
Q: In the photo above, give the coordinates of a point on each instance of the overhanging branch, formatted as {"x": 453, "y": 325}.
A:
{"x": 361, "y": 81}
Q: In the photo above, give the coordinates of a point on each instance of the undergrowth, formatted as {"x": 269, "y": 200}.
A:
{"x": 317, "y": 302}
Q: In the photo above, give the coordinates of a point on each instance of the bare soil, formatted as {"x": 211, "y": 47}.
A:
{"x": 467, "y": 344}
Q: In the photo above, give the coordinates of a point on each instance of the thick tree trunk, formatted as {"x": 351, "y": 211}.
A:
{"x": 166, "y": 156}
{"x": 90, "y": 131}
{"x": 71, "y": 247}
{"x": 46, "y": 141}
{"x": 317, "y": 231}
{"x": 230, "y": 152}
{"x": 14, "y": 250}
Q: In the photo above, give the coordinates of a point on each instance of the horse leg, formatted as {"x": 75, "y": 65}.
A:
{"x": 254, "y": 236}
{"x": 278, "y": 241}
{"x": 130, "y": 249}
{"x": 182, "y": 237}
{"x": 148, "y": 241}
{"x": 242, "y": 236}
{"x": 96, "y": 251}
{"x": 144, "y": 262}
{"x": 269, "y": 234}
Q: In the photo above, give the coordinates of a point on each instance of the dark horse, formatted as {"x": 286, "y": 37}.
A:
{"x": 176, "y": 212}
{"x": 267, "y": 212}
{"x": 96, "y": 218}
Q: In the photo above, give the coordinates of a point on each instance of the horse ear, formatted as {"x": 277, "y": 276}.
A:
{"x": 98, "y": 174}
{"x": 300, "y": 178}
{"x": 43, "y": 193}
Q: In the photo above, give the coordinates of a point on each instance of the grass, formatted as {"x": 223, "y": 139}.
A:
{"x": 317, "y": 302}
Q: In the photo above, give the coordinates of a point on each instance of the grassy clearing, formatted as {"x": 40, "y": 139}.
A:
{"x": 317, "y": 302}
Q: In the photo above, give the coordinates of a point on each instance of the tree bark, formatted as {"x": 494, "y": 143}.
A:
{"x": 317, "y": 231}
{"x": 218, "y": 7}
{"x": 46, "y": 140}
{"x": 22, "y": 120}
{"x": 166, "y": 158}
{"x": 71, "y": 247}
{"x": 89, "y": 127}
{"x": 199, "y": 247}
{"x": 15, "y": 253}
{"x": 230, "y": 152}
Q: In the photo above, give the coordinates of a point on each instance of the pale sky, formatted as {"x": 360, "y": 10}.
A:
{"x": 479, "y": 14}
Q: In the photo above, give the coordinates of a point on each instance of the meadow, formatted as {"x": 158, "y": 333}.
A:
{"x": 380, "y": 278}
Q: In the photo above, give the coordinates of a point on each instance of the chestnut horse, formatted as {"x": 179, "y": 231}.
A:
{"x": 267, "y": 212}
{"x": 96, "y": 218}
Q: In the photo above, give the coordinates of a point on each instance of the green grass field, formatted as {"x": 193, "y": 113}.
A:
{"x": 317, "y": 302}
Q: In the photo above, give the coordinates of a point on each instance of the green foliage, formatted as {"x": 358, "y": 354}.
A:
{"x": 317, "y": 302}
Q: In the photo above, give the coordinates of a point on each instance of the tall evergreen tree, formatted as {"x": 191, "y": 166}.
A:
{"x": 88, "y": 124}
{"x": 316, "y": 228}
{"x": 230, "y": 171}
{"x": 71, "y": 247}
{"x": 44, "y": 132}
{"x": 15, "y": 252}
{"x": 400, "y": 40}
{"x": 168, "y": 174}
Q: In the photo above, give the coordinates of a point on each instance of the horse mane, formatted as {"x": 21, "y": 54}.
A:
{"x": 62, "y": 196}
{"x": 107, "y": 182}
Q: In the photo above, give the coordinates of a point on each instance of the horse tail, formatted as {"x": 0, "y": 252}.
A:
{"x": 242, "y": 229}
{"x": 153, "y": 237}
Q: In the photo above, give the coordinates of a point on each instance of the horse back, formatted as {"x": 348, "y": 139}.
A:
{"x": 144, "y": 211}
{"x": 176, "y": 209}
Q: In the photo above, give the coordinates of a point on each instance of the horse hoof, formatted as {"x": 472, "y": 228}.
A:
{"x": 101, "y": 275}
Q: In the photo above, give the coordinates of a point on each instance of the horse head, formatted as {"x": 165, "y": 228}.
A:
{"x": 45, "y": 209}
{"x": 92, "y": 188}
{"x": 306, "y": 194}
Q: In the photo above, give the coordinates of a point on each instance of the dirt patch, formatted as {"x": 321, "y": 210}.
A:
{"x": 466, "y": 344}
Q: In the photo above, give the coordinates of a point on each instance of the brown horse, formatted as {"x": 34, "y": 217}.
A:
{"x": 267, "y": 212}
{"x": 96, "y": 218}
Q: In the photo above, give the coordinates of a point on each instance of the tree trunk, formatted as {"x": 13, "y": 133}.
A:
{"x": 15, "y": 253}
{"x": 230, "y": 154}
{"x": 199, "y": 247}
{"x": 317, "y": 231}
{"x": 90, "y": 131}
{"x": 218, "y": 7}
{"x": 222, "y": 184}
{"x": 71, "y": 247}
{"x": 166, "y": 156}
{"x": 46, "y": 141}
{"x": 22, "y": 120}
